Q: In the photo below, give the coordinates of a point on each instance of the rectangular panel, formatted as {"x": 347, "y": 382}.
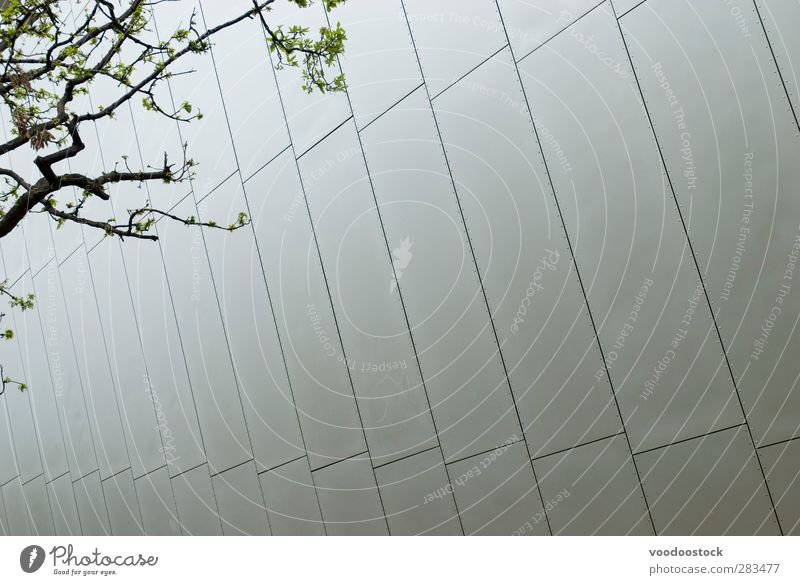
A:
{"x": 593, "y": 489}
{"x": 777, "y": 16}
{"x": 496, "y": 493}
{"x": 300, "y": 300}
{"x": 167, "y": 383}
{"x": 534, "y": 293}
{"x": 16, "y": 509}
{"x": 64, "y": 506}
{"x": 26, "y": 460}
{"x": 310, "y": 116}
{"x": 254, "y": 116}
{"x": 157, "y": 503}
{"x": 203, "y": 340}
{"x": 292, "y": 500}
{"x": 240, "y": 502}
{"x": 377, "y": 347}
{"x": 76, "y": 427}
{"x": 4, "y": 530}
{"x": 107, "y": 142}
{"x": 92, "y": 506}
{"x": 463, "y": 372}
{"x": 453, "y": 36}
{"x": 197, "y": 507}
{"x": 417, "y": 496}
{"x": 661, "y": 347}
{"x": 36, "y": 374}
{"x": 735, "y": 175}
{"x": 106, "y": 278}
{"x": 783, "y": 477}
{"x": 152, "y": 137}
{"x": 378, "y": 74}
{"x": 8, "y": 463}
{"x": 208, "y": 140}
{"x": 38, "y": 240}
{"x": 38, "y": 507}
{"x": 529, "y": 23}
{"x": 264, "y": 391}
{"x": 710, "y": 485}
{"x": 123, "y": 506}
{"x": 92, "y": 357}
{"x": 349, "y": 499}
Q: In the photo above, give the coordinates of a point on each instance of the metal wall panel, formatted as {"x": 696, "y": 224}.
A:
{"x": 38, "y": 507}
{"x": 64, "y": 507}
{"x": 539, "y": 311}
{"x": 453, "y": 36}
{"x": 594, "y": 489}
{"x": 26, "y": 442}
{"x": 123, "y": 506}
{"x": 530, "y": 23}
{"x": 208, "y": 138}
{"x": 35, "y": 373}
{"x": 292, "y": 500}
{"x": 321, "y": 387}
{"x": 38, "y": 240}
{"x": 369, "y": 315}
{"x": 92, "y": 505}
{"x": 151, "y": 141}
{"x": 8, "y": 462}
{"x": 16, "y": 510}
{"x": 464, "y": 377}
{"x": 378, "y": 74}
{"x": 157, "y": 503}
{"x": 106, "y": 278}
{"x": 496, "y": 493}
{"x": 4, "y": 528}
{"x": 777, "y": 17}
{"x": 203, "y": 340}
{"x": 240, "y": 501}
{"x": 42, "y": 241}
{"x": 27, "y": 458}
{"x": 264, "y": 391}
{"x": 418, "y": 497}
{"x": 106, "y": 142}
{"x": 196, "y": 504}
{"x": 661, "y": 346}
{"x": 253, "y": 116}
{"x": 189, "y": 400}
{"x": 15, "y": 260}
{"x": 349, "y": 498}
{"x": 710, "y": 485}
{"x": 309, "y": 116}
{"x": 783, "y": 477}
{"x": 731, "y": 143}
{"x": 78, "y": 432}
{"x": 168, "y": 383}
{"x": 92, "y": 358}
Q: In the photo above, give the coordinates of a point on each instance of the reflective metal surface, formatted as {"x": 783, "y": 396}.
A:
{"x": 534, "y": 273}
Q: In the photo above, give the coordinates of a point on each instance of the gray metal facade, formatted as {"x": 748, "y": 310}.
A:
{"x": 535, "y": 273}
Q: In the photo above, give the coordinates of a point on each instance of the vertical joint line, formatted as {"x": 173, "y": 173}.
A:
{"x": 699, "y": 271}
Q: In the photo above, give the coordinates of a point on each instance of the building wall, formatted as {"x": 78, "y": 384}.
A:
{"x": 533, "y": 274}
